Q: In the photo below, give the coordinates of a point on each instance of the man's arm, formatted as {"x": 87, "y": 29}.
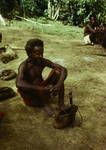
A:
{"x": 61, "y": 69}
{"x": 90, "y": 28}
{"x": 63, "y": 73}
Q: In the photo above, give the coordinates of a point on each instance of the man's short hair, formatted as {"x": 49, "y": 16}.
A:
{"x": 92, "y": 16}
{"x": 31, "y": 44}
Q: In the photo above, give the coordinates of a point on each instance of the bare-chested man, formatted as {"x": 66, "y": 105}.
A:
{"x": 90, "y": 31}
{"x": 30, "y": 83}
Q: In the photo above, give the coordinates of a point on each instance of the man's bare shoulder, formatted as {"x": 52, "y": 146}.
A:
{"x": 46, "y": 60}
{"x": 23, "y": 64}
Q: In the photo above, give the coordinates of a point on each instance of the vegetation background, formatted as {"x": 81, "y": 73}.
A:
{"x": 73, "y": 12}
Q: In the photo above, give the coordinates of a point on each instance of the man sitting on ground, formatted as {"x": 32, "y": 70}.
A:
{"x": 90, "y": 31}
{"x": 30, "y": 83}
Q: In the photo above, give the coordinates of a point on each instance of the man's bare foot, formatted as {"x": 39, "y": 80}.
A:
{"x": 49, "y": 111}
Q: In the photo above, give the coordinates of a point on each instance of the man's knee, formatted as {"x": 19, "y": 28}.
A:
{"x": 56, "y": 75}
{"x": 57, "y": 72}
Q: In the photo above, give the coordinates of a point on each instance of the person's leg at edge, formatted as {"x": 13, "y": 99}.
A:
{"x": 53, "y": 79}
{"x": 2, "y": 114}
{"x": 61, "y": 98}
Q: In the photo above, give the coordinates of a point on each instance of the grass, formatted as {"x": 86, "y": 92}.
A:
{"x": 54, "y": 28}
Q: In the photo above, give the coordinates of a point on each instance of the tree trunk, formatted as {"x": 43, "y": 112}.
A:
{"x": 53, "y": 9}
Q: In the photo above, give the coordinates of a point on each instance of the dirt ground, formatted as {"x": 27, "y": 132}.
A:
{"x": 27, "y": 128}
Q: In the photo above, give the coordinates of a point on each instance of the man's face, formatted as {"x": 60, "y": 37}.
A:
{"x": 92, "y": 20}
{"x": 37, "y": 52}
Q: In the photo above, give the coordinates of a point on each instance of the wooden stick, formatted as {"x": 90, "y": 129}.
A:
{"x": 103, "y": 55}
{"x": 26, "y": 19}
{"x": 34, "y": 22}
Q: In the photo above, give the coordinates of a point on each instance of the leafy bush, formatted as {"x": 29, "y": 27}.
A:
{"x": 34, "y": 8}
{"x": 73, "y": 12}
{"x": 7, "y": 6}
{"x": 76, "y": 12}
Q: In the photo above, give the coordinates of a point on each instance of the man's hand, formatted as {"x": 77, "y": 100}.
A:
{"x": 54, "y": 90}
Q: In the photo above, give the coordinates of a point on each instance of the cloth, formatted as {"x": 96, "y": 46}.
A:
{"x": 87, "y": 39}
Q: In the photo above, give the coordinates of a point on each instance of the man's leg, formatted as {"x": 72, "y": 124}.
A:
{"x": 52, "y": 80}
{"x": 93, "y": 38}
{"x": 1, "y": 115}
{"x": 61, "y": 98}
{"x": 0, "y": 37}
{"x": 41, "y": 100}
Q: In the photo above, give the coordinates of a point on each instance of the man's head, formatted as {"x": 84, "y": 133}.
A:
{"x": 34, "y": 48}
{"x": 92, "y": 19}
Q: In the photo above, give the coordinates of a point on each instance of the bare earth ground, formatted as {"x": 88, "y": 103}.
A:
{"x": 27, "y": 128}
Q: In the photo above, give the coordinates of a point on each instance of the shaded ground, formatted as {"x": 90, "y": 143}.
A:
{"x": 26, "y": 128}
